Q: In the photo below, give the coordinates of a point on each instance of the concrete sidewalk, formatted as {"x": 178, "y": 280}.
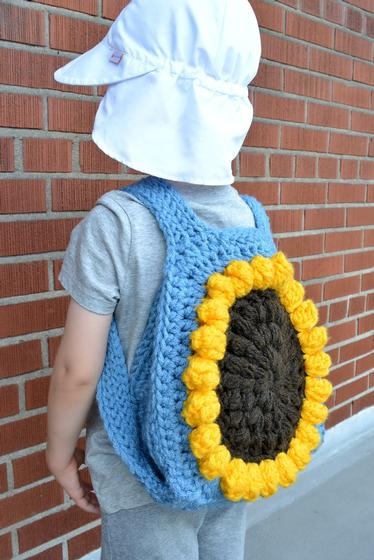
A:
{"x": 329, "y": 513}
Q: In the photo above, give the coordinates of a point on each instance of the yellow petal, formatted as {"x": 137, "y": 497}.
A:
{"x": 286, "y": 468}
{"x": 314, "y": 412}
{"x": 241, "y": 274}
{"x": 220, "y": 286}
{"x": 204, "y": 439}
{"x": 291, "y": 294}
{"x": 283, "y": 269}
{"x": 313, "y": 340}
{"x": 317, "y": 389}
{"x": 209, "y": 342}
{"x": 263, "y": 272}
{"x": 318, "y": 364}
{"x": 299, "y": 453}
{"x": 270, "y": 476}
{"x": 308, "y": 434}
{"x": 215, "y": 462}
{"x": 255, "y": 482}
{"x": 235, "y": 480}
{"x": 305, "y": 316}
{"x": 214, "y": 312}
{"x": 201, "y": 373}
{"x": 201, "y": 408}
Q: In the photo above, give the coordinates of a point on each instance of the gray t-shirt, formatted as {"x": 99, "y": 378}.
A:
{"x": 113, "y": 264}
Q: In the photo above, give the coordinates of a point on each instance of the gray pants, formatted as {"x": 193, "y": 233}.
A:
{"x": 154, "y": 532}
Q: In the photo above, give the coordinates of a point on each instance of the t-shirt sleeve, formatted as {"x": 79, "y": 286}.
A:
{"x": 96, "y": 257}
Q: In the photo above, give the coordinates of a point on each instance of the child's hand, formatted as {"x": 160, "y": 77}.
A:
{"x": 78, "y": 490}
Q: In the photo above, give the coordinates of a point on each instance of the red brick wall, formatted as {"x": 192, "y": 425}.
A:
{"x": 308, "y": 157}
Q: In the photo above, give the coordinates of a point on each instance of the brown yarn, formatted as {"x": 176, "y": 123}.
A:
{"x": 262, "y": 378}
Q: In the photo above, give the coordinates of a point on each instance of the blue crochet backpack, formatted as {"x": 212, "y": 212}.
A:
{"x": 224, "y": 400}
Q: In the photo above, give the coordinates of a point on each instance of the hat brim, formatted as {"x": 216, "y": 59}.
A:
{"x": 102, "y": 65}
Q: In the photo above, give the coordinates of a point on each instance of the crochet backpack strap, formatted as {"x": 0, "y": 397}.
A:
{"x": 261, "y": 218}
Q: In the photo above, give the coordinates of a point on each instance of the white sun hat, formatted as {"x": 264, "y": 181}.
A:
{"x": 178, "y": 71}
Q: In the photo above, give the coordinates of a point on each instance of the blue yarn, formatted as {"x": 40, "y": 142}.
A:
{"x": 141, "y": 409}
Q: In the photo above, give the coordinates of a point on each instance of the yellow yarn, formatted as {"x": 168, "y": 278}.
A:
{"x": 201, "y": 408}
{"x": 209, "y": 342}
{"x": 317, "y": 389}
{"x": 215, "y": 462}
{"x": 308, "y": 434}
{"x": 235, "y": 480}
{"x": 313, "y": 412}
{"x": 241, "y": 275}
{"x": 318, "y": 364}
{"x": 220, "y": 286}
{"x": 305, "y": 316}
{"x": 263, "y": 272}
{"x": 201, "y": 373}
{"x": 204, "y": 439}
{"x": 270, "y": 476}
{"x": 291, "y": 294}
{"x": 214, "y": 312}
{"x": 286, "y": 468}
{"x": 299, "y": 453}
{"x": 283, "y": 269}
{"x": 255, "y": 482}
{"x": 313, "y": 340}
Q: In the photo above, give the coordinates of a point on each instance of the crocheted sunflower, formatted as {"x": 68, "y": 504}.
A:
{"x": 256, "y": 378}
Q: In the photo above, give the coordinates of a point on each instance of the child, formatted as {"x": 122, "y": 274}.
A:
{"x": 176, "y": 109}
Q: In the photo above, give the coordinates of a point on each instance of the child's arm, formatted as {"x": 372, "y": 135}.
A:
{"x": 78, "y": 365}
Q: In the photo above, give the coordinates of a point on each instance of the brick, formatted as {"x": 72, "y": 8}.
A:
{"x": 321, "y": 218}
{"x": 370, "y": 193}
{"x": 341, "y": 287}
{"x": 331, "y": 64}
{"x": 366, "y": 323}
{"x": 71, "y": 115}
{"x": 365, "y": 364}
{"x": 307, "y": 85}
{"x": 85, "y": 6}
{"x": 283, "y": 50}
{"x": 354, "y": 20}
{"x": 314, "y": 292}
{"x": 352, "y": 95}
{"x": 25, "y": 237}
{"x": 371, "y": 148}
{"x": 276, "y": 107}
{"x": 268, "y": 76}
{"x": 9, "y": 401}
{"x": 53, "y": 345}
{"x": 367, "y": 169}
{"x": 263, "y": 135}
{"x": 285, "y": 220}
{"x": 337, "y": 312}
{"x": 334, "y": 12}
{"x": 339, "y": 415}
{"x": 367, "y": 281}
{"x": 29, "y": 469}
{"x": 268, "y": 15}
{"x": 292, "y": 3}
{"x": 358, "y": 261}
{"x": 359, "y": 216}
{"x": 350, "y": 390}
{"x": 84, "y": 543}
{"x": 22, "y": 434}
{"x": 346, "y": 192}
{"x": 52, "y": 526}
{"x": 369, "y": 26}
{"x": 303, "y": 193}
{"x": 20, "y": 111}
{"x": 6, "y": 546}
{"x": 36, "y": 392}
{"x": 19, "y": 358}
{"x": 57, "y": 264}
{"x": 267, "y": 193}
{"x": 348, "y": 144}
{"x": 18, "y": 196}
{"x": 37, "y": 70}
{"x": 356, "y": 348}
{"x": 302, "y": 245}
{"x": 356, "y": 305}
{"x": 74, "y": 35}
{"x": 309, "y": 30}
{"x": 322, "y": 267}
{"x": 3, "y": 478}
{"x": 111, "y": 8}
{"x": 6, "y": 154}
{"x": 363, "y": 402}
{"x": 281, "y": 165}
{"x": 30, "y": 502}
{"x": 369, "y": 302}
{"x": 327, "y": 167}
{"x": 342, "y": 332}
{"x": 363, "y": 122}
{"x": 93, "y": 160}
{"x": 32, "y": 316}
{"x": 311, "y": 7}
{"x": 342, "y": 240}
{"x": 326, "y": 115}
{"x": 252, "y": 165}
{"x": 301, "y": 138}
{"x": 54, "y": 553}
{"x": 80, "y": 194}
{"x": 305, "y": 166}
{"x": 350, "y": 43}
{"x": 47, "y": 155}
{"x": 348, "y": 168}
{"x": 342, "y": 373}
{"x": 23, "y": 278}
{"x": 21, "y": 25}
{"x": 363, "y": 72}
